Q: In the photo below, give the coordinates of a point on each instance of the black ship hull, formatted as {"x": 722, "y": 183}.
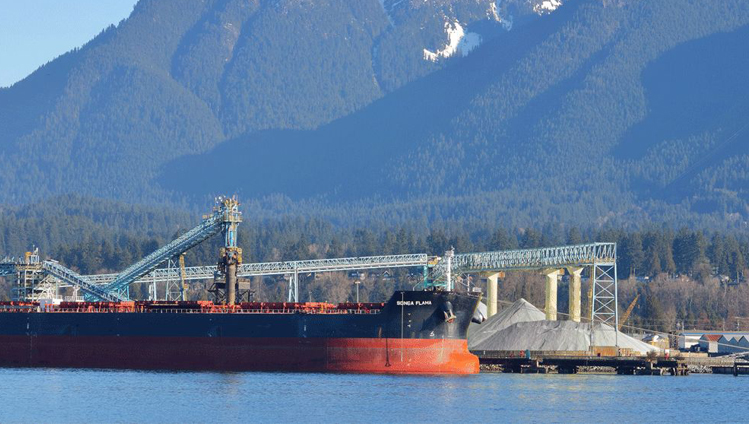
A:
{"x": 414, "y": 332}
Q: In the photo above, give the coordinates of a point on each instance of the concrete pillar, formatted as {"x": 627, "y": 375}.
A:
{"x": 551, "y": 294}
{"x": 491, "y": 294}
{"x": 575, "y": 307}
{"x": 448, "y": 275}
{"x": 231, "y": 283}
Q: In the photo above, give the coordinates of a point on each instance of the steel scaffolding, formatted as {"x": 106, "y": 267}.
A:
{"x": 278, "y": 268}
{"x": 72, "y": 278}
{"x": 599, "y": 257}
{"x": 533, "y": 259}
{"x": 224, "y": 218}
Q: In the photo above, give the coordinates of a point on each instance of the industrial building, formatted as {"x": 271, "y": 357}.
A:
{"x": 715, "y": 342}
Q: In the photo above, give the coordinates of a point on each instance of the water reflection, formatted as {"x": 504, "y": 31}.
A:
{"x": 149, "y": 397}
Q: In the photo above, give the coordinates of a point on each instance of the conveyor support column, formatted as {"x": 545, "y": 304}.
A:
{"x": 491, "y": 294}
{"x": 575, "y": 307}
{"x": 231, "y": 283}
{"x": 551, "y": 294}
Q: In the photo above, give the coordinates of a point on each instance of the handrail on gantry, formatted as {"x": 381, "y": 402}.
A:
{"x": 71, "y": 277}
{"x": 278, "y": 268}
{"x": 335, "y": 264}
{"x": 539, "y": 258}
{"x": 61, "y": 273}
{"x": 8, "y": 268}
{"x": 224, "y": 214}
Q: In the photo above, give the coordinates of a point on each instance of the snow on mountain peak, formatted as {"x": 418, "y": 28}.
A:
{"x": 457, "y": 41}
{"x": 493, "y": 14}
{"x": 547, "y": 6}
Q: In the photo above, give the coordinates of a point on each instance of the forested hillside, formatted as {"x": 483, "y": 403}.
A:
{"x": 179, "y": 77}
{"x": 596, "y": 112}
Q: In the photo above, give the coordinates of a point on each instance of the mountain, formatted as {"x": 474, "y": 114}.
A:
{"x": 586, "y": 112}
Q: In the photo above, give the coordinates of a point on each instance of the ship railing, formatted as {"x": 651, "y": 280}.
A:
{"x": 19, "y": 308}
{"x": 199, "y": 311}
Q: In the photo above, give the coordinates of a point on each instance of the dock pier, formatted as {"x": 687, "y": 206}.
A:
{"x": 571, "y": 362}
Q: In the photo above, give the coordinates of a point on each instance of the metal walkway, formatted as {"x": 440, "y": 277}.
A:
{"x": 600, "y": 257}
{"x": 532, "y": 259}
{"x": 69, "y": 276}
{"x": 223, "y": 216}
{"x": 277, "y": 268}
{"x": 294, "y": 268}
{"x": 62, "y": 274}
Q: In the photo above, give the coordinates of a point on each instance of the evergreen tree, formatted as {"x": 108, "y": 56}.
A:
{"x": 716, "y": 253}
{"x": 630, "y": 255}
{"x": 501, "y": 239}
{"x": 530, "y": 239}
{"x": 574, "y": 236}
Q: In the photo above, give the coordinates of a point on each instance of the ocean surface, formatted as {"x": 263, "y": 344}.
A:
{"x": 104, "y": 396}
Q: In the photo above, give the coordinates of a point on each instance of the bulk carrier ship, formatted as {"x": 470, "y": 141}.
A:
{"x": 415, "y": 332}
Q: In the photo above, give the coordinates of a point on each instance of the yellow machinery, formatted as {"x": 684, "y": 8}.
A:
{"x": 182, "y": 276}
{"x": 629, "y": 310}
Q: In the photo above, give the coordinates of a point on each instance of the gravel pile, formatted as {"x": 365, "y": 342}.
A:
{"x": 522, "y": 327}
{"x": 520, "y": 311}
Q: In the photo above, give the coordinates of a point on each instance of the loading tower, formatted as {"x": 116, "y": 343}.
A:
{"x": 224, "y": 218}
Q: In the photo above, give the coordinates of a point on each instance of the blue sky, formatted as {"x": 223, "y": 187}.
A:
{"x": 33, "y": 32}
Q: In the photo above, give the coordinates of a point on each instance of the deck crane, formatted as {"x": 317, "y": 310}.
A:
{"x": 224, "y": 218}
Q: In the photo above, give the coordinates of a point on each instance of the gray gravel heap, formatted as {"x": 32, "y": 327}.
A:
{"x": 520, "y": 311}
{"x": 522, "y": 327}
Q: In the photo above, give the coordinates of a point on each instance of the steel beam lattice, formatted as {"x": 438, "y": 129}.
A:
{"x": 330, "y": 265}
{"x": 600, "y": 257}
{"x": 161, "y": 275}
{"x": 7, "y": 268}
{"x": 72, "y": 278}
{"x": 278, "y": 268}
{"x": 526, "y": 259}
{"x": 605, "y": 298}
{"x": 224, "y": 215}
{"x": 531, "y": 259}
{"x": 45, "y": 269}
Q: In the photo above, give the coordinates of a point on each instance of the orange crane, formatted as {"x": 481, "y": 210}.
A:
{"x": 628, "y": 312}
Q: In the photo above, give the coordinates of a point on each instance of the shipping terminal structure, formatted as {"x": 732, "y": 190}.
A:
{"x": 414, "y": 332}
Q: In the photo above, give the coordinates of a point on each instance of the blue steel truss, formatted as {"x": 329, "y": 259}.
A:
{"x": 224, "y": 217}
{"x": 8, "y": 268}
{"x": 532, "y": 259}
{"x": 64, "y": 275}
{"x": 71, "y": 277}
{"x": 278, "y": 268}
{"x": 600, "y": 257}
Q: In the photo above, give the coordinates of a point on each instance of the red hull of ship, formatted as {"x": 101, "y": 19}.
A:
{"x": 355, "y": 355}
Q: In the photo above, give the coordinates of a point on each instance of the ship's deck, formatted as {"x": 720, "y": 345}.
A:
{"x": 192, "y": 307}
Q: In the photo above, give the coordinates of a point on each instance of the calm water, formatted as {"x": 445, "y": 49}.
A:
{"x": 72, "y": 396}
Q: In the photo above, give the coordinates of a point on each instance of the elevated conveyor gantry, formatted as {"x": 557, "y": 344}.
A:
{"x": 279, "y": 268}
{"x": 600, "y": 257}
{"x": 532, "y": 259}
{"x": 161, "y": 275}
{"x": 224, "y": 218}
{"x": 38, "y": 270}
{"x": 71, "y": 277}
